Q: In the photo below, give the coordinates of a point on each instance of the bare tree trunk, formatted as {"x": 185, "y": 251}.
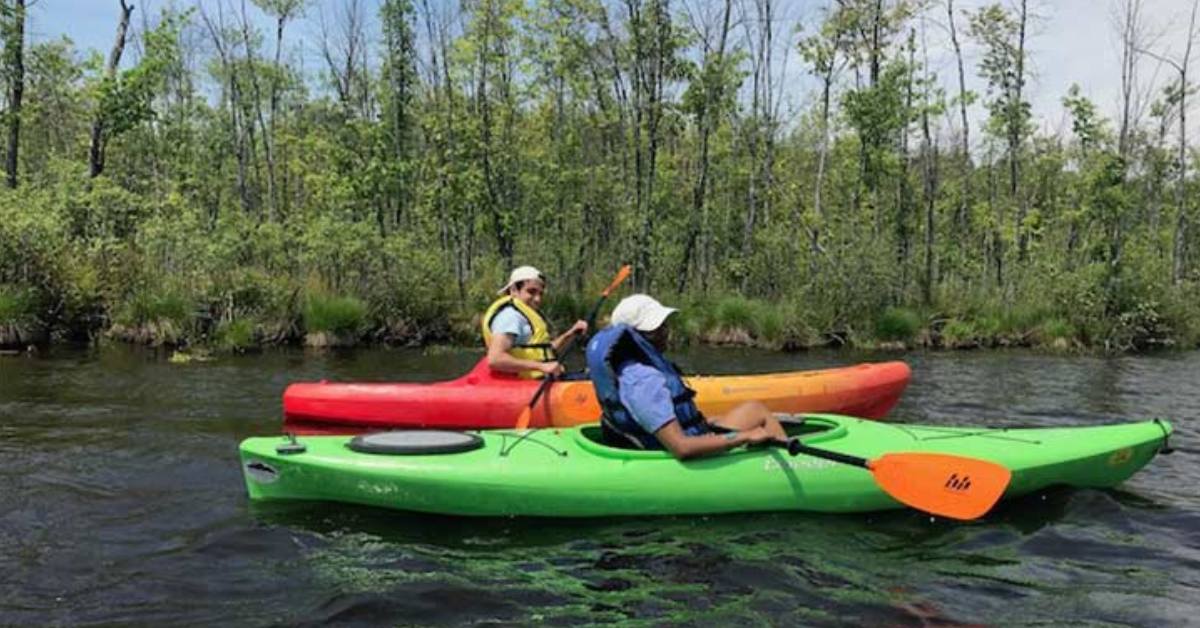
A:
{"x": 1131, "y": 36}
{"x": 96, "y": 154}
{"x": 15, "y": 53}
{"x": 904, "y": 195}
{"x": 705, "y": 122}
{"x": 650, "y": 37}
{"x": 266, "y": 133}
{"x": 1183, "y": 223}
{"x": 961, "y": 218}
{"x": 638, "y": 81}
{"x": 621, "y": 96}
{"x": 494, "y": 176}
{"x": 233, "y": 100}
{"x": 280, "y": 21}
{"x": 870, "y": 166}
{"x": 761, "y": 130}
{"x": 996, "y": 209}
{"x": 1014, "y": 140}
{"x": 562, "y": 156}
{"x": 827, "y": 76}
{"x": 1154, "y": 184}
{"x": 343, "y": 63}
{"x": 657, "y": 80}
{"x": 282, "y": 197}
{"x": 931, "y": 183}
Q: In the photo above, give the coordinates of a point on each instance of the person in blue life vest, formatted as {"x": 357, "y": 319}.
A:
{"x": 515, "y": 333}
{"x": 644, "y": 401}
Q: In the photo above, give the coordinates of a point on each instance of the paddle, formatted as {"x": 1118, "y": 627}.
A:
{"x": 527, "y": 413}
{"x": 940, "y": 484}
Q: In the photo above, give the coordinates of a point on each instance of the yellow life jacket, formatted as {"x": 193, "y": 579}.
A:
{"x": 537, "y": 348}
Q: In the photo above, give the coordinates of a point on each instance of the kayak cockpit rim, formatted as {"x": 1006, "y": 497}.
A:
{"x": 814, "y": 429}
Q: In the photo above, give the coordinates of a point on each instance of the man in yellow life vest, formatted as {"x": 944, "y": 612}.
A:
{"x": 517, "y": 337}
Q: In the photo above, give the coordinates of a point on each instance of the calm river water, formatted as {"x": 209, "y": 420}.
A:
{"x": 122, "y": 503}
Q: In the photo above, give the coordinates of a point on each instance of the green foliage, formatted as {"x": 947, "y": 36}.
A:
{"x": 735, "y": 313}
{"x": 1005, "y": 68}
{"x": 1022, "y": 318}
{"x": 1058, "y": 329}
{"x": 126, "y": 100}
{"x": 959, "y": 333}
{"x": 236, "y": 336}
{"x": 334, "y": 314}
{"x": 155, "y": 315}
{"x": 254, "y": 294}
{"x": 1086, "y": 122}
{"x": 17, "y": 306}
{"x": 770, "y": 324}
{"x": 155, "y": 306}
{"x": 897, "y": 324}
{"x": 689, "y": 324}
{"x": 1140, "y": 328}
{"x": 565, "y": 308}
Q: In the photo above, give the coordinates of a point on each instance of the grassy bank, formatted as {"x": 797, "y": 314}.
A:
{"x": 316, "y": 317}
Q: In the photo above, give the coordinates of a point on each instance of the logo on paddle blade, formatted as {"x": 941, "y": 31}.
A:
{"x": 958, "y": 483}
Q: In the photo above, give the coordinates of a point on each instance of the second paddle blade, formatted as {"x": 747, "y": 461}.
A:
{"x": 523, "y": 418}
{"x": 941, "y": 484}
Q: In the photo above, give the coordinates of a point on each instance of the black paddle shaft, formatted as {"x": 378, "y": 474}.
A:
{"x": 795, "y": 448}
{"x": 571, "y": 342}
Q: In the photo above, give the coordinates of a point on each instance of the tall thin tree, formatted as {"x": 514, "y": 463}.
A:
{"x": 14, "y": 61}
{"x": 96, "y": 154}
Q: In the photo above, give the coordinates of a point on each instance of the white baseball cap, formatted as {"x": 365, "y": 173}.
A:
{"x": 522, "y": 273}
{"x": 641, "y": 312}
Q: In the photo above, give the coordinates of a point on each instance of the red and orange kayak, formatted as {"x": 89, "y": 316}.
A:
{"x": 483, "y": 399}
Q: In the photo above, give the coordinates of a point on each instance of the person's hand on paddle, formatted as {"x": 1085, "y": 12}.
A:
{"x": 552, "y": 369}
{"x": 757, "y": 436}
{"x": 576, "y": 331}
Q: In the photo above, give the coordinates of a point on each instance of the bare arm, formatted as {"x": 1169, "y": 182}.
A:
{"x": 684, "y": 446}
{"x": 580, "y": 327}
{"x": 499, "y": 358}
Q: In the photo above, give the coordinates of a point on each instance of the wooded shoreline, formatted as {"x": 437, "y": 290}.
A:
{"x": 201, "y": 186}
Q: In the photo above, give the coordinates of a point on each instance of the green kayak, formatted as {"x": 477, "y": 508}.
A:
{"x": 569, "y": 473}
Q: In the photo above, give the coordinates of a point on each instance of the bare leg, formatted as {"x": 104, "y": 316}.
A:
{"x": 749, "y": 415}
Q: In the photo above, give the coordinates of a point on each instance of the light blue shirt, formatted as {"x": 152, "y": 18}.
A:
{"x": 512, "y": 322}
{"x": 643, "y": 391}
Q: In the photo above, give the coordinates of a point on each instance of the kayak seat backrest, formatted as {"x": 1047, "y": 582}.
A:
{"x": 604, "y": 434}
{"x": 613, "y": 437}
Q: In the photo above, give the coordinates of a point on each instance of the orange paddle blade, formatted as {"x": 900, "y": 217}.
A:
{"x": 523, "y": 420}
{"x": 941, "y": 484}
{"x": 622, "y": 275}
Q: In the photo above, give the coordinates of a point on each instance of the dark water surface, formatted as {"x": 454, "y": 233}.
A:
{"x": 122, "y": 503}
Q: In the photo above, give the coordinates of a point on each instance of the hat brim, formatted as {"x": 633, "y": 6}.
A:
{"x": 510, "y": 284}
{"x": 655, "y": 319}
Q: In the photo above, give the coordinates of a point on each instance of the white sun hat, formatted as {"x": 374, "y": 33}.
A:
{"x": 641, "y": 312}
{"x": 522, "y": 273}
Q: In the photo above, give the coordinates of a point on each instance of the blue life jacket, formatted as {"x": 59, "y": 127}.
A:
{"x": 607, "y": 350}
